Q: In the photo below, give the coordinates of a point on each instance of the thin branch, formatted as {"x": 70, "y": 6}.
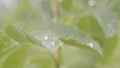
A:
{"x": 56, "y": 57}
{"x": 56, "y": 11}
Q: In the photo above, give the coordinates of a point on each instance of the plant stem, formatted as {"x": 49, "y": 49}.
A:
{"x": 56, "y": 11}
{"x": 56, "y": 57}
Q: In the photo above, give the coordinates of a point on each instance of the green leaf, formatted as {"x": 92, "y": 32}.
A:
{"x": 89, "y": 25}
{"x": 39, "y": 58}
{"x": 5, "y": 40}
{"x": 79, "y": 57}
{"x": 21, "y": 36}
{"x": 115, "y": 6}
{"x": 69, "y": 33}
{"x": 22, "y": 56}
{"x": 108, "y": 21}
{"x": 4, "y": 54}
{"x": 17, "y": 58}
{"x": 109, "y": 47}
{"x": 17, "y": 35}
{"x": 45, "y": 39}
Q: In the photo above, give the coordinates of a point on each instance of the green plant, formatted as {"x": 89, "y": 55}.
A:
{"x": 60, "y": 34}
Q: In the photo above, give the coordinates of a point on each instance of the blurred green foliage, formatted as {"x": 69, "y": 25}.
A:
{"x": 59, "y": 34}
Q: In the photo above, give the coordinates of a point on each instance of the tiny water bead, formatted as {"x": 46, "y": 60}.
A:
{"x": 50, "y": 41}
{"x": 94, "y": 46}
{"x": 46, "y": 37}
{"x": 91, "y": 45}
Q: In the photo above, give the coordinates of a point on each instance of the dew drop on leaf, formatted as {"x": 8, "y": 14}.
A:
{"x": 94, "y": 46}
{"x": 91, "y": 45}
{"x": 69, "y": 33}
{"x": 50, "y": 40}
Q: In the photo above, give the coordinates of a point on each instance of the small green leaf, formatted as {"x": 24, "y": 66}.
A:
{"x": 115, "y": 6}
{"x": 89, "y": 25}
{"x": 72, "y": 57}
{"x": 108, "y": 21}
{"x": 4, "y": 54}
{"x": 21, "y": 36}
{"x": 17, "y": 58}
{"x": 45, "y": 39}
{"x": 109, "y": 47}
{"x": 5, "y": 39}
{"x": 17, "y": 35}
{"x": 69, "y": 33}
{"x": 39, "y": 58}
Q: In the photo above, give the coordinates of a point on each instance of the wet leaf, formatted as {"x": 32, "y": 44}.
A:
{"x": 21, "y": 36}
{"x": 69, "y": 33}
{"x": 50, "y": 40}
{"x": 4, "y": 54}
{"x": 46, "y": 39}
{"x": 108, "y": 21}
{"x": 17, "y": 58}
{"x": 5, "y": 40}
{"x": 89, "y": 25}
{"x": 79, "y": 57}
{"x": 38, "y": 58}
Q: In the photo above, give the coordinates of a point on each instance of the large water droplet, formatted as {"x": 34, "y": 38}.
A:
{"x": 46, "y": 37}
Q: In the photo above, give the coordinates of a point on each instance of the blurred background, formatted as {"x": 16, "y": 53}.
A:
{"x": 32, "y": 15}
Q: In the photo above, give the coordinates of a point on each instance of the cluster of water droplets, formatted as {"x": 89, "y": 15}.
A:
{"x": 50, "y": 40}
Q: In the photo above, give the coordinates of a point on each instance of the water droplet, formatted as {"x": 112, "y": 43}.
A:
{"x": 95, "y": 46}
{"x": 46, "y": 37}
{"x": 50, "y": 41}
{"x": 52, "y": 44}
{"x": 91, "y": 45}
